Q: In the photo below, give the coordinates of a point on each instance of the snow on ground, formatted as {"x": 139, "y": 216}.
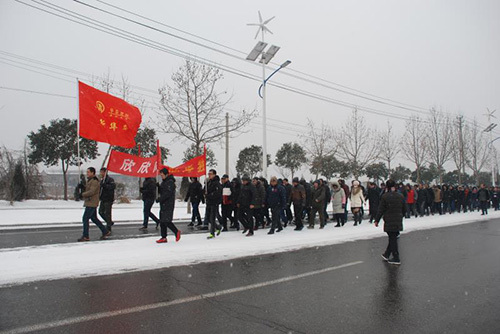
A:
{"x": 36, "y": 213}
{"x": 29, "y": 264}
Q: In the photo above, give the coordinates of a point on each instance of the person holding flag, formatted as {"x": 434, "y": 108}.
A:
{"x": 167, "y": 205}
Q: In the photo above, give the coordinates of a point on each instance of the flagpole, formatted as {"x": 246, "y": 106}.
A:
{"x": 78, "y": 127}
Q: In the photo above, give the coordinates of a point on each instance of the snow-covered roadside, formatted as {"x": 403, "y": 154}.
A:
{"x": 36, "y": 214}
{"x": 29, "y": 264}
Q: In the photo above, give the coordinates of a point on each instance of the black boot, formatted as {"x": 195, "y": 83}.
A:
{"x": 395, "y": 259}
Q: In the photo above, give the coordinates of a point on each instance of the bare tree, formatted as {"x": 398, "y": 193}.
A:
{"x": 477, "y": 150}
{"x": 319, "y": 143}
{"x": 414, "y": 144}
{"x": 459, "y": 144}
{"x": 357, "y": 143}
{"x": 193, "y": 108}
{"x": 439, "y": 140}
{"x": 390, "y": 146}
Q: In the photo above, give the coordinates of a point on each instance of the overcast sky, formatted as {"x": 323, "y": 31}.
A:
{"x": 422, "y": 53}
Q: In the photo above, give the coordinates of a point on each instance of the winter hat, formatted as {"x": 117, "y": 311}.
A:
{"x": 335, "y": 183}
{"x": 295, "y": 180}
{"x": 355, "y": 183}
{"x": 245, "y": 178}
{"x": 164, "y": 171}
{"x": 317, "y": 181}
{"x": 225, "y": 176}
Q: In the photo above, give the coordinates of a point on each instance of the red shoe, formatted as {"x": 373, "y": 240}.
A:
{"x": 178, "y": 236}
{"x": 161, "y": 241}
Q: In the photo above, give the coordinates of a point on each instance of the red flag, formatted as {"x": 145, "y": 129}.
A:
{"x": 132, "y": 165}
{"x": 195, "y": 167}
{"x": 106, "y": 118}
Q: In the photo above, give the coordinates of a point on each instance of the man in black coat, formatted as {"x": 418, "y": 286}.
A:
{"x": 245, "y": 204}
{"x": 373, "y": 199}
{"x": 167, "y": 206}
{"x": 483, "y": 196}
{"x": 213, "y": 199}
{"x": 195, "y": 195}
{"x": 148, "y": 192}
{"x": 422, "y": 200}
{"x": 392, "y": 208}
{"x": 227, "y": 202}
{"x": 288, "y": 212}
{"x": 236, "y": 183}
{"x": 107, "y": 197}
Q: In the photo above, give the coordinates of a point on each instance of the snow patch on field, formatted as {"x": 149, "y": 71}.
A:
{"x": 28, "y": 264}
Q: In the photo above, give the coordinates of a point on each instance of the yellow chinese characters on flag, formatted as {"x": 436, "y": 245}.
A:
{"x": 195, "y": 167}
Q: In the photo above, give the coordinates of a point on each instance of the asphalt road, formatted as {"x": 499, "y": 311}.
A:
{"x": 449, "y": 282}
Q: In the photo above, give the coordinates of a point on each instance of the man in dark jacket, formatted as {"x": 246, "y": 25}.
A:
{"x": 288, "y": 211}
{"x": 422, "y": 201}
{"x": 245, "y": 204}
{"x": 276, "y": 201}
{"x": 227, "y": 202}
{"x": 328, "y": 197}
{"x": 298, "y": 199}
{"x": 195, "y": 195}
{"x": 259, "y": 203}
{"x": 167, "y": 206}
{"x": 483, "y": 196}
{"x": 318, "y": 203}
{"x": 148, "y": 192}
{"x": 373, "y": 200}
{"x": 107, "y": 196}
{"x": 392, "y": 208}
{"x": 307, "y": 206}
{"x": 236, "y": 183}
{"x": 213, "y": 200}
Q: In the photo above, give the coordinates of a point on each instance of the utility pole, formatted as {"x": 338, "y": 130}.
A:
{"x": 227, "y": 143}
{"x": 489, "y": 129}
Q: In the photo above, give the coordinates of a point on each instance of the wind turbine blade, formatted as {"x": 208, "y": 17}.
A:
{"x": 253, "y": 24}
{"x": 269, "y": 20}
{"x": 269, "y": 31}
{"x": 260, "y": 17}
{"x": 257, "y": 34}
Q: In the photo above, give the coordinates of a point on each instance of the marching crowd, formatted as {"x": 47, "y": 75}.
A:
{"x": 252, "y": 204}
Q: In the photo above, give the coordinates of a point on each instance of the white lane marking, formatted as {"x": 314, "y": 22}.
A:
{"x": 101, "y": 315}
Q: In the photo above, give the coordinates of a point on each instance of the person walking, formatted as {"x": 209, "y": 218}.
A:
{"x": 373, "y": 199}
{"x": 357, "y": 199}
{"x": 298, "y": 199}
{"x": 483, "y": 196}
{"x": 276, "y": 201}
{"x": 338, "y": 203}
{"x": 392, "y": 210}
{"x": 318, "y": 203}
{"x": 410, "y": 202}
{"x": 328, "y": 197}
{"x": 347, "y": 195}
{"x": 167, "y": 206}
{"x": 148, "y": 193}
{"x": 307, "y": 207}
{"x": 258, "y": 203}
{"x": 227, "y": 202}
{"x": 288, "y": 212}
{"x": 236, "y": 183}
{"x": 213, "y": 199}
{"x": 91, "y": 201}
{"x": 245, "y": 205}
{"x": 195, "y": 196}
{"x": 437, "y": 200}
{"x": 107, "y": 197}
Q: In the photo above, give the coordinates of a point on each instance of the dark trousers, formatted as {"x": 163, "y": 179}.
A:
{"x": 236, "y": 217}
{"x": 319, "y": 209}
{"x": 245, "y": 215}
{"x": 452, "y": 206}
{"x": 166, "y": 221}
{"x": 438, "y": 208}
{"x": 340, "y": 218}
{"x": 288, "y": 212}
{"x": 325, "y": 214}
{"x": 392, "y": 247}
{"x": 345, "y": 209}
{"x": 297, "y": 212}
{"x": 410, "y": 210}
{"x": 484, "y": 207}
{"x": 195, "y": 212}
{"x": 148, "y": 204}
{"x": 226, "y": 214}
{"x": 105, "y": 212}
{"x": 259, "y": 219}
{"x": 91, "y": 214}
{"x": 211, "y": 213}
{"x": 276, "y": 223}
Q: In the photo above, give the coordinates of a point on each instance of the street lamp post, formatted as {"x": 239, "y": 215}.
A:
{"x": 266, "y": 57}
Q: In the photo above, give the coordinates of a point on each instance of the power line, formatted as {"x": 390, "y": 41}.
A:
{"x": 35, "y": 92}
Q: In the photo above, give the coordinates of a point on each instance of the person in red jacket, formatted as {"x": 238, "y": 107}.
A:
{"x": 410, "y": 201}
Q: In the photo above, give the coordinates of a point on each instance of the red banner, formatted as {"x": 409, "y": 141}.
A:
{"x": 106, "y": 118}
{"x": 132, "y": 165}
{"x": 195, "y": 167}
